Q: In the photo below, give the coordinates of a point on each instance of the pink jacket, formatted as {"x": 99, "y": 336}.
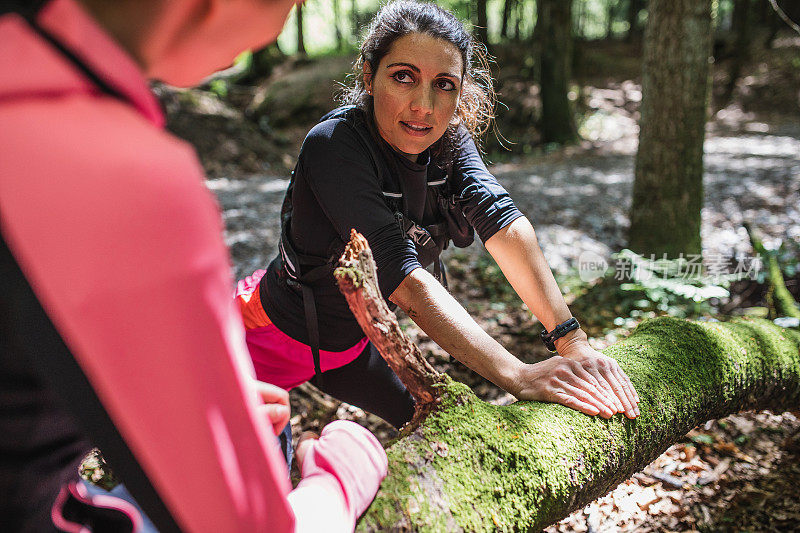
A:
{"x": 109, "y": 219}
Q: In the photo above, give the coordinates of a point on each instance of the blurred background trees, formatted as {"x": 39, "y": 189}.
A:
{"x": 553, "y": 48}
{"x": 567, "y": 72}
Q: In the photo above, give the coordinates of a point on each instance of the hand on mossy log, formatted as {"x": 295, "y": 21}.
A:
{"x": 466, "y": 465}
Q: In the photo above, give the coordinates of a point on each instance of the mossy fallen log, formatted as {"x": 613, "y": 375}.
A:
{"x": 478, "y": 467}
{"x": 472, "y": 466}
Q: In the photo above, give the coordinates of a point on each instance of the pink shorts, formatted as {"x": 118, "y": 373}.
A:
{"x": 278, "y": 358}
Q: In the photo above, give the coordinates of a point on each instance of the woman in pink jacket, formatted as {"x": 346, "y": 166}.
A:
{"x": 117, "y": 326}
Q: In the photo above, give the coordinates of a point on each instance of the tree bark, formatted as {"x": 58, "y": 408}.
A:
{"x": 554, "y": 31}
{"x": 634, "y": 31}
{"x": 741, "y": 46}
{"x": 481, "y": 22}
{"x": 301, "y": 44}
{"x": 337, "y": 20}
{"x": 508, "y": 5}
{"x": 357, "y": 280}
{"x": 354, "y": 22}
{"x": 519, "y": 13}
{"x": 668, "y": 187}
{"x": 472, "y": 466}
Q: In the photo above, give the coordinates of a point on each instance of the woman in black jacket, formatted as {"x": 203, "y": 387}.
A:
{"x": 400, "y": 165}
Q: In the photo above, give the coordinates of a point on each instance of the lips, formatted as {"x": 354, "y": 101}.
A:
{"x": 417, "y": 129}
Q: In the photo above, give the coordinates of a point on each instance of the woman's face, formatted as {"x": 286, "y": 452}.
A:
{"x": 415, "y": 91}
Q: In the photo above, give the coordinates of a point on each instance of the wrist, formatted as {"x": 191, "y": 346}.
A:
{"x": 559, "y": 331}
{"x": 571, "y": 341}
{"x": 513, "y": 379}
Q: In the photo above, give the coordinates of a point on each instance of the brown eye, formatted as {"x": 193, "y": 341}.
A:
{"x": 402, "y": 76}
{"x": 445, "y": 85}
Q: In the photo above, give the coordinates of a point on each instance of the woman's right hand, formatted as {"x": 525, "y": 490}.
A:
{"x": 565, "y": 381}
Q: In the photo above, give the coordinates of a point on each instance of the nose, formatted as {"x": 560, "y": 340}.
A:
{"x": 422, "y": 100}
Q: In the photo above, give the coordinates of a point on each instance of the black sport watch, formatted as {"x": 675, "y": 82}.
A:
{"x": 559, "y": 331}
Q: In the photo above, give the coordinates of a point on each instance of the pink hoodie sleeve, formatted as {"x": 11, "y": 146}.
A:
{"x": 121, "y": 242}
{"x": 341, "y": 474}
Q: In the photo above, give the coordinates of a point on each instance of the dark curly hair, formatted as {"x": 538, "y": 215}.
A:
{"x": 397, "y": 19}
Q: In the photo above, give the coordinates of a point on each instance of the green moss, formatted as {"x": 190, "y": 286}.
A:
{"x": 480, "y": 467}
{"x": 356, "y": 275}
{"x": 779, "y": 299}
{"x": 782, "y": 299}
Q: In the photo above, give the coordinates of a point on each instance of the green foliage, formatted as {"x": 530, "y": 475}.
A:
{"x": 219, "y": 87}
{"x": 788, "y": 255}
{"x": 641, "y": 288}
{"x": 669, "y": 285}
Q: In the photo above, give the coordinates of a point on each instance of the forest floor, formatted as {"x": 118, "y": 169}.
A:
{"x": 741, "y": 473}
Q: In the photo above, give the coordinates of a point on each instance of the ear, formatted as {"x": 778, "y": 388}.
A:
{"x": 366, "y": 70}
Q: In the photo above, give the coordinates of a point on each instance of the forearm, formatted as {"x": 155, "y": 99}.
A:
{"x": 517, "y": 252}
{"x": 448, "y": 324}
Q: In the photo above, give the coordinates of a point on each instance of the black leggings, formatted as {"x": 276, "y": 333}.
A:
{"x": 368, "y": 383}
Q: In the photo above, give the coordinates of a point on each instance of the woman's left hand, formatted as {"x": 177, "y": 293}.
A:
{"x": 615, "y": 383}
{"x": 276, "y": 405}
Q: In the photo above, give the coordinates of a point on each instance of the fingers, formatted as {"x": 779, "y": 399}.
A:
{"x": 271, "y": 393}
{"x": 572, "y": 402}
{"x": 277, "y": 414}
{"x": 583, "y": 398}
{"x": 630, "y": 392}
{"x": 304, "y": 444}
{"x": 619, "y": 390}
{"x": 593, "y": 386}
{"x": 607, "y": 389}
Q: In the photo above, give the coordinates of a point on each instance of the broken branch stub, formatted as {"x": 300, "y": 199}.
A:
{"x": 358, "y": 281}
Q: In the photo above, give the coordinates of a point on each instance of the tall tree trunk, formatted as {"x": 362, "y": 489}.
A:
{"x": 508, "y": 5}
{"x": 741, "y": 26}
{"x": 354, "y": 20}
{"x": 337, "y": 21}
{"x": 611, "y": 13}
{"x": 301, "y": 45}
{"x": 481, "y": 21}
{"x": 466, "y": 465}
{"x": 668, "y": 187}
{"x": 634, "y": 31}
{"x": 554, "y": 32}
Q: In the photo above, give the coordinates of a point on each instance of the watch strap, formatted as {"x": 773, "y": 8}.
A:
{"x": 549, "y": 338}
